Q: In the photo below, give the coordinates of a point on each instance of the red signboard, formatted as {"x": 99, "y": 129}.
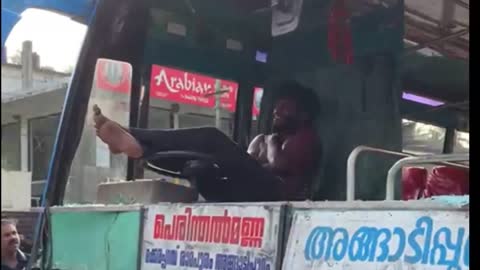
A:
{"x": 190, "y": 88}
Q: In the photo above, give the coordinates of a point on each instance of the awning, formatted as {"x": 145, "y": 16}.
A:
{"x": 9, "y": 19}
{"x": 79, "y": 10}
{"x": 440, "y": 25}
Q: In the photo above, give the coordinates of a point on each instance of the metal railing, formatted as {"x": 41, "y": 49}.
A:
{"x": 352, "y": 163}
{"x": 418, "y": 160}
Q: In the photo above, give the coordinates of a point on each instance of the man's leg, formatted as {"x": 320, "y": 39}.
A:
{"x": 247, "y": 178}
{"x": 238, "y": 188}
{"x": 205, "y": 140}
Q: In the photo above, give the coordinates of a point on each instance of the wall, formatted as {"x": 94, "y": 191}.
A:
{"x": 16, "y": 190}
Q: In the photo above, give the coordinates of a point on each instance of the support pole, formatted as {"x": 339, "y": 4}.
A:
{"x": 218, "y": 116}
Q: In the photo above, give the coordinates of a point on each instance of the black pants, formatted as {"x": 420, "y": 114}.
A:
{"x": 247, "y": 179}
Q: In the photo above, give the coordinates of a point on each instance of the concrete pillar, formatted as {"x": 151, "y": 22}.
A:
{"x": 24, "y": 144}
{"x": 448, "y": 13}
{"x": 218, "y": 109}
{"x": 449, "y": 142}
{"x": 175, "y": 116}
{"x": 176, "y": 120}
{"x": 27, "y": 65}
{"x": 36, "y": 61}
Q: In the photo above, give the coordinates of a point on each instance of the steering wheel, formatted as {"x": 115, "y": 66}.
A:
{"x": 186, "y": 163}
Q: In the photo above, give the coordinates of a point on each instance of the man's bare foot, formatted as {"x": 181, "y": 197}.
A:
{"x": 117, "y": 138}
{"x": 114, "y": 150}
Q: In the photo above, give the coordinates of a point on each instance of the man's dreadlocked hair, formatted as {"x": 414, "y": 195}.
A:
{"x": 303, "y": 96}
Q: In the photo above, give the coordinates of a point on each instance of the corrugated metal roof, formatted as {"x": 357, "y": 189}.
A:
{"x": 44, "y": 81}
{"x": 430, "y": 20}
{"x": 19, "y": 93}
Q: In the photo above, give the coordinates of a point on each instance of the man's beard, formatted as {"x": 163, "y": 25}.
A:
{"x": 14, "y": 243}
{"x": 11, "y": 246}
{"x": 288, "y": 126}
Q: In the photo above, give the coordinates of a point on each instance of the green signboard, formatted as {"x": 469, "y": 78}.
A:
{"x": 88, "y": 240}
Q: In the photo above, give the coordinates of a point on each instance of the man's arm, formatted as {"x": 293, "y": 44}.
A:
{"x": 292, "y": 155}
{"x": 254, "y": 147}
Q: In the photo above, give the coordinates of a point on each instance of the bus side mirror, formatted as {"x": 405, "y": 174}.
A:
{"x": 113, "y": 76}
{"x": 112, "y": 85}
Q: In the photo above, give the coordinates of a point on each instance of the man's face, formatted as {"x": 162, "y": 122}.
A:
{"x": 285, "y": 115}
{"x": 10, "y": 238}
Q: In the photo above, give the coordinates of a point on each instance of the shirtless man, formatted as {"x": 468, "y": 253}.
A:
{"x": 277, "y": 166}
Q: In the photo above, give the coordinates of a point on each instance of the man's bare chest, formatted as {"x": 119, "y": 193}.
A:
{"x": 262, "y": 153}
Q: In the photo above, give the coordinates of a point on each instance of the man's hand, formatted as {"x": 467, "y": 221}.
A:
{"x": 290, "y": 155}
{"x": 254, "y": 148}
{"x": 274, "y": 140}
{"x": 277, "y": 159}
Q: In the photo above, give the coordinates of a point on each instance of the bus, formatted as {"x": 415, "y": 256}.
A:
{"x": 351, "y": 53}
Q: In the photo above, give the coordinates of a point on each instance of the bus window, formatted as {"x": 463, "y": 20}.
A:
{"x": 11, "y": 146}
{"x": 257, "y": 101}
{"x": 462, "y": 142}
{"x": 420, "y": 138}
{"x": 159, "y": 118}
{"x": 42, "y": 135}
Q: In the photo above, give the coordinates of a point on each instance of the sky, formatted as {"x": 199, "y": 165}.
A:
{"x": 56, "y": 38}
